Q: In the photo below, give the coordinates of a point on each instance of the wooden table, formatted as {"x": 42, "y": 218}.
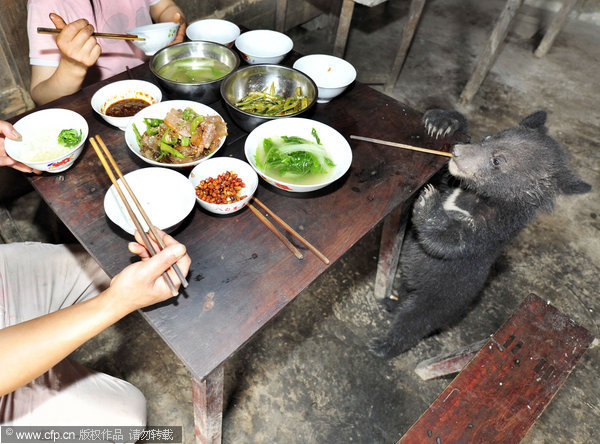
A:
{"x": 241, "y": 274}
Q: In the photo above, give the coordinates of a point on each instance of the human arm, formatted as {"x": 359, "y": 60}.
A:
{"x": 79, "y": 50}
{"x": 168, "y": 11}
{"x": 7, "y": 130}
{"x": 30, "y": 348}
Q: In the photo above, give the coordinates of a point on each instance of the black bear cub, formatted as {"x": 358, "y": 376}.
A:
{"x": 458, "y": 231}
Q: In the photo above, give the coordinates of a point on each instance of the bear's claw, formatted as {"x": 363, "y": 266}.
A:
{"x": 441, "y": 123}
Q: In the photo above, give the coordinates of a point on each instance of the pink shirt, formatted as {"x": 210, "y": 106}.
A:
{"x": 111, "y": 16}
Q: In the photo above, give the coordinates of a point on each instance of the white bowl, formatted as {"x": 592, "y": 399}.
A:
{"x": 263, "y": 46}
{"x": 157, "y": 35}
{"x": 331, "y": 74}
{"x": 158, "y": 111}
{"x": 40, "y": 130}
{"x": 124, "y": 89}
{"x": 338, "y": 149}
{"x": 213, "y": 30}
{"x": 166, "y": 196}
{"x": 219, "y": 165}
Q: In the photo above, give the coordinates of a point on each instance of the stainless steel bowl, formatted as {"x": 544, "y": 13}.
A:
{"x": 205, "y": 92}
{"x": 257, "y": 78}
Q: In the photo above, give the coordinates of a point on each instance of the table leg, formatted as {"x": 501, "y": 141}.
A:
{"x": 392, "y": 235}
{"x": 491, "y": 50}
{"x": 555, "y": 27}
{"x": 343, "y": 28}
{"x": 408, "y": 32}
{"x": 280, "y": 13}
{"x": 208, "y": 407}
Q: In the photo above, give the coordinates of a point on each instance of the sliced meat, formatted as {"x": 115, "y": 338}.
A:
{"x": 213, "y": 130}
{"x": 175, "y": 122}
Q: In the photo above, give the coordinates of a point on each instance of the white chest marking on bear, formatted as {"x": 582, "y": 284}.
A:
{"x": 450, "y": 204}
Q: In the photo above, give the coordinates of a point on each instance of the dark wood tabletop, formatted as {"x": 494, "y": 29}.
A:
{"x": 241, "y": 274}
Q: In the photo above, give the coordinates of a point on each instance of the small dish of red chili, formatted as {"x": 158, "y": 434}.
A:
{"x": 223, "y": 185}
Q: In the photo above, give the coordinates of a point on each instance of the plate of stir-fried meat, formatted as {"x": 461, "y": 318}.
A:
{"x": 176, "y": 133}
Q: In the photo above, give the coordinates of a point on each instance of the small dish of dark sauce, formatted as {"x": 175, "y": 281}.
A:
{"x": 126, "y": 107}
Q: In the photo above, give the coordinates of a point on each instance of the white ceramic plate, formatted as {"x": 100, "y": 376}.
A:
{"x": 167, "y": 197}
{"x": 158, "y": 111}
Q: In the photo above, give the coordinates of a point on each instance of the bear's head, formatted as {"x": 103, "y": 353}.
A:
{"x": 522, "y": 165}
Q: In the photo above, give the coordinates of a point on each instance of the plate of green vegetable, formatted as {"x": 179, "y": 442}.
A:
{"x": 298, "y": 155}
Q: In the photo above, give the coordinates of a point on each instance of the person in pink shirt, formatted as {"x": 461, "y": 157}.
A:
{"x": 62, "y": 64}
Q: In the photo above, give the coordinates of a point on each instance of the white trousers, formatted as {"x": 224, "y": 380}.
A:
{"x": 36, "y": 279}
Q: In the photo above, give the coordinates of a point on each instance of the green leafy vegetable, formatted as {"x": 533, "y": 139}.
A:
{"x": 293, "y": 155}
{"x": 292, "y": 140}
{"x": 69, "y": 137}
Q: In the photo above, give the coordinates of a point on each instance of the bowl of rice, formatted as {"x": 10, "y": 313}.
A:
{"x": 51, "y": 139}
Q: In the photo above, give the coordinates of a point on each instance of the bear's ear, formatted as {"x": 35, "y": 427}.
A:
{"x": 537, "y": 120}
{"x": 570, "y": 184}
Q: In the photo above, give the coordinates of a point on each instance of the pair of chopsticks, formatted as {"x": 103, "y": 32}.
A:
{"x": 103, "y": 35}
{"x": 102, "y": 151}
{"x": 281, "y": 237}
{"x": 401, "y": 145}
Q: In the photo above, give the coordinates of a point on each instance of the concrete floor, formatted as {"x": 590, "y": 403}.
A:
{"x": 308, "y": 377}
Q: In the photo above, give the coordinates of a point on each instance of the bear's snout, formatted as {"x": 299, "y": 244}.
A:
{"x": 458, "y": 149}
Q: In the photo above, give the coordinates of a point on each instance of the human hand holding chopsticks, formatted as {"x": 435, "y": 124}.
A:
{"x": 76, "y": 42}
{"x": 30, "y": 348}
{"x": 143, "y": 281}
{"x": 79, "y": 51}
{"x": 109, "y": 164}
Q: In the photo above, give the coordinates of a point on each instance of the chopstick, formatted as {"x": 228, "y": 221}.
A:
{"x": 292, "y": 232}
{"x": 132, "y": 215}
{"x": 151, "y": 227}
{"x": 103, "y": 35}
{"x": 401, "y": 145}
{"x": 275, "y": 231}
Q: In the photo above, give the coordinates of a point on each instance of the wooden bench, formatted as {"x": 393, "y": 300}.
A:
{"x": 498, "y": 396}
{"x": 490, "y": 52}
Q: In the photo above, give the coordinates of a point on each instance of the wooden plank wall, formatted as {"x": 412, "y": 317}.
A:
{"x": 14, "y": 58}
{"x": 14, "y": 49}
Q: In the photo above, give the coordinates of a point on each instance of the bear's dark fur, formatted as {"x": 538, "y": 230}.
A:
{"x": 459, "y": 230}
